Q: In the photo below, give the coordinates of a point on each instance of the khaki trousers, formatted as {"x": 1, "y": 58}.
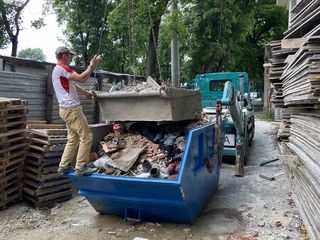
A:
{"x": 78, "y": 133}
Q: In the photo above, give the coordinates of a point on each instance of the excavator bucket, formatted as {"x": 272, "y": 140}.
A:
{"x": 150, "y": 102}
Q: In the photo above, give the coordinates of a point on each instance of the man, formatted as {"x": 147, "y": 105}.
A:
{"x": 65, "y": 83}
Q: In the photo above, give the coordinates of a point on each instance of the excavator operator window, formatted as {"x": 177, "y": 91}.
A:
{"x": 217, "y": 85}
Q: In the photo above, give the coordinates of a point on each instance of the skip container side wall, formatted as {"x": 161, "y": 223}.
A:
{"x": 180, "y": 200}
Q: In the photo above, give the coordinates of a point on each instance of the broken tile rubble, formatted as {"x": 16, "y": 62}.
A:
{"x": 144, "y": 149}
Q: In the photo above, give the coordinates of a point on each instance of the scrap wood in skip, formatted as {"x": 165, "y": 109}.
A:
{"x": 150, "y": 102}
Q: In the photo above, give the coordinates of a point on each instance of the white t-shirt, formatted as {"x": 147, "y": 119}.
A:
{"x": 64, "y": 88}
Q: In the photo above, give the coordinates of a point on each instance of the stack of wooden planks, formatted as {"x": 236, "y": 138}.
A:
{"x": 278, "y": 64}
{"x": 301, "y": 78}
{"x": 304, "y": 167}
{"x": 301, "y": 119}
{"x": 43, "y": 186}
{"x": 284, "y": 131}
{"x": 13, "y": 149}
{"x": 304, "y": 18}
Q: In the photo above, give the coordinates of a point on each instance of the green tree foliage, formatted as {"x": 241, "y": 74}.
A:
{"x": 128, "y": 25}
{"x": 86, "y": 28}
{"x": 38, "y": 23}
{"x": 269, "y": 23}
{"x": 10, "y": 20}
{"x": 33, "y": 54}
{"x": 131, "y": 25}
{"x": 215, "y": 25}
{"x": 214, "y": 35}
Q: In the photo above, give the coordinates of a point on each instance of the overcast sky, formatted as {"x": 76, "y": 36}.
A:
{"x": 45, "y": 38}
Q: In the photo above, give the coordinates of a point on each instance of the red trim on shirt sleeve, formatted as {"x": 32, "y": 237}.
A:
{"x": 65, "y": 84}
{"x": 67, "y": 68}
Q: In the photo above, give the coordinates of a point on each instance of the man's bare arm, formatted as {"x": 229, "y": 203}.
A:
{"x": 84, "y": 76}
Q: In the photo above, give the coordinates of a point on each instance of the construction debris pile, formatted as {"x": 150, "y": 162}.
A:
{"x": 299, "y": 129}
{"x": 141, "y": 87}
{"x": 157, "y": 118}
{"x": 144, "y": 149}
{"x": 43, "y": 186}
{"x": 13, "y": 149}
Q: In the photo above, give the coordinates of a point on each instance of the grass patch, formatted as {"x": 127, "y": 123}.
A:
{"x": 267, "y": 115}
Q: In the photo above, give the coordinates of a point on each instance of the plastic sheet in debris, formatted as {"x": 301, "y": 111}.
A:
{"x": 154, "y": 103}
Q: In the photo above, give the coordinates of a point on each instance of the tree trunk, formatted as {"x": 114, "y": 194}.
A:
{"x": 12, "y": 21}
{"x": 14, "y": 42}
{"x": 151, "y": 67}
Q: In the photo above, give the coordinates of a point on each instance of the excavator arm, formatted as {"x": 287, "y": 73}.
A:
{"x": 231, "y": 99}
{"x": 235, "y": 103}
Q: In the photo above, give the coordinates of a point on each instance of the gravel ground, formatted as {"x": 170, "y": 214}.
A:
{"x": 244, "y": 208}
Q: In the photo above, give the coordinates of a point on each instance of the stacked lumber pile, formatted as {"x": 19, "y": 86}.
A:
{"x": 13, "y": 149}
{"x": 43, "y": 186}
{"x": 304, "y": 167}
{"x": 284, "y": 130}
{"x": 304, "y": 19}
{"x": 301, "y": 97}
{"x": 301, "y": 79}
{"x": 278, "y": 64}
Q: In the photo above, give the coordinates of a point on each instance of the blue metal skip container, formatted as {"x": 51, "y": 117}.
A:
{"x": 180, "y": 200}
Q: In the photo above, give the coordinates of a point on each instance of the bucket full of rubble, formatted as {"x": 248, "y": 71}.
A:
{"x": 154, "y": 172}
{"x": 149, "y": 101}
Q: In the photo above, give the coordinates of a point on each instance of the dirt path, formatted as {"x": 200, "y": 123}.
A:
{"x": 243, "y": 209}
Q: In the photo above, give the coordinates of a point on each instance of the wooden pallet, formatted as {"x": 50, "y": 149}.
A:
{"x": 13, "y": 119}
{"x": 48, "y": 203}
{"x": 4, "y": 153}
{"x": 12, "y": 194}
{"x": 48, "y": 168}
{"x": 32, "y": 173}
{"x": 42, "y": 154}
{"x": 42, "y": 197}
{"x": 12, "y": 168}
{"x": 17, "y": 159}
{"x": 13, "y": 110}
{"x": 49, "y": 133}
{"x": 42, "y": 161}
{"x": 10, "y": 178}
{"x": 43, "y": 185}
{"x": 12, "y": 126}
{"x": 48, "y": 140}
{"x": 35, "y": 145}
{"x": 18, "y": 146}
{"x": 12, "y": 134}
{"x": 14, "y": 139}
{"x": 44, "y": 126}
{"x": 48, "y": 184}
{"x": 13, "y": 149}
{"x": 11, "y": 102}
{"x": 40, "y": 191}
